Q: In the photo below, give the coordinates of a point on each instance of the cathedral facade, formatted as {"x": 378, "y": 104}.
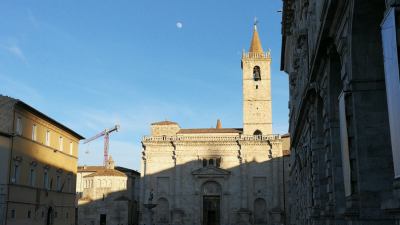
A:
{"x": 219, "y": 176}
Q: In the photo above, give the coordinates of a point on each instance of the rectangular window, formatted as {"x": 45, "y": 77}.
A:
{"x": 19, "y": 126}
{"x": 32, "y": 177}
{"x": 71, "y": 148}
{"x": 58, "y": 183}
{"x": 69, "y": 183}
{"x": 61, "y": 143}
{"x": 344, "y": 139}
{"x": 46, "y": 180}
{"x": 34, "y": 132}
{"x": 14, "y": 179}
{"x": 12, "y": 213}
{"x": 48, "y": 138}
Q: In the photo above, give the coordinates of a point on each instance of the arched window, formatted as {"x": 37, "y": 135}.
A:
{"x": 211, "y": 188}
{"x": 257, "y": 133}
{"x": 256, "y": 73}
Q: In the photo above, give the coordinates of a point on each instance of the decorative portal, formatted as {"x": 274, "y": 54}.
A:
{"x": 211, "y": 203}
{"x": 211, "y": 210}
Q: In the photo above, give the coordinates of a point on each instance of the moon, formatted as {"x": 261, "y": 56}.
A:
{"x": 179, "y": 25}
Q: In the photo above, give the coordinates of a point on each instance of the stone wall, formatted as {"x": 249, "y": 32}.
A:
{"x": 341, "y": 163}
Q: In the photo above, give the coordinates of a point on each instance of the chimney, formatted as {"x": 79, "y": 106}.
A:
{"x": 219, "y": 125}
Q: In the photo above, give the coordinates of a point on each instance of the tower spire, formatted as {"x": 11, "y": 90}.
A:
{"x": 255, "y": 45}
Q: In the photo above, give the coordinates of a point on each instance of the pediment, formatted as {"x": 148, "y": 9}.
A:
{"x": 211, "y": 171}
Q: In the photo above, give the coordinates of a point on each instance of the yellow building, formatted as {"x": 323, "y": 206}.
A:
{"x": 38, "y": 165}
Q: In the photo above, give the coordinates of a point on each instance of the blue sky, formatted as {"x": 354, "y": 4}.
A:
{"x": 91, "y": 64}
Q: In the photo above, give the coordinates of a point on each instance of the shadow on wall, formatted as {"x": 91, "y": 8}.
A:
{"x": 111, "y": 208}
{"x": 207, "y": 191}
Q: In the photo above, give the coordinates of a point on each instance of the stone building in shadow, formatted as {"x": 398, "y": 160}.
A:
{"x": 107, "y": 195}
{"x": 342, "y": 62}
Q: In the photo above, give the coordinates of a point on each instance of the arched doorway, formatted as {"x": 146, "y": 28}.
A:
{"x": 162, "y": 209}
{"x": 211, "y": 203}
{"x": 50, "y": 216}
{"x": 260, "y": 211}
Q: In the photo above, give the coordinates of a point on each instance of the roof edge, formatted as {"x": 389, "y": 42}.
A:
{"x": 37, "y": 112}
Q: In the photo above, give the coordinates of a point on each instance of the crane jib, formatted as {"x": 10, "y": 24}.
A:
{"x": 106, "y": 134}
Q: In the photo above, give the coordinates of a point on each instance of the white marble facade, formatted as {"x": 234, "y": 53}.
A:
{"x": 218, "y": 176}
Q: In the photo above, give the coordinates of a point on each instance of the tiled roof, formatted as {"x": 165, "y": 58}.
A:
{"x": 165, "y": 122}
{"x": 106, "y": 173}
{"x": 285, "y": 135}
{"x": 126, "y": 170}
{"x": 90, "y": 168}
{"x": 210, "y": 130}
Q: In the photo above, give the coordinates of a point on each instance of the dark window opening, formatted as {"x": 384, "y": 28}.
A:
{"x": 29, "y": 213}
{"x": 256, "y": 86}
{"x": 256, "y": 73}
{"x": 13, "y": 213}
{"x": 211, "y": 162}
{"x": 204, "y": 162}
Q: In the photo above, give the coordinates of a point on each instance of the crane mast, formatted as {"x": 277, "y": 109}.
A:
{"x": 106, "y": 134}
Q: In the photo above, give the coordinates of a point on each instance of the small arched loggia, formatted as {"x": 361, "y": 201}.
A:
{"x": 256, "y": 73}
{"x": 257, "y": 133}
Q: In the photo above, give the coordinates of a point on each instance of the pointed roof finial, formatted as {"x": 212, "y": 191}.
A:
{"x": 255, "y": 45}
{"x": 219, "y": 125}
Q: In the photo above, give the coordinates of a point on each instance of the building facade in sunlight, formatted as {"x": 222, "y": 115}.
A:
{"x": 38, "y": 164}
{"x": 219, "y": 176}
{"x": 107, "y": 195}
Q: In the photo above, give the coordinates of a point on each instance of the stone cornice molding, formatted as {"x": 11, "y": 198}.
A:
{"x": 210, "y": 172}
{"x": 182, "y": 139}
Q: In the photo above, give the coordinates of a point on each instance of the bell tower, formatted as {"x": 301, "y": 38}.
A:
{"x": 257, "y": 109}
